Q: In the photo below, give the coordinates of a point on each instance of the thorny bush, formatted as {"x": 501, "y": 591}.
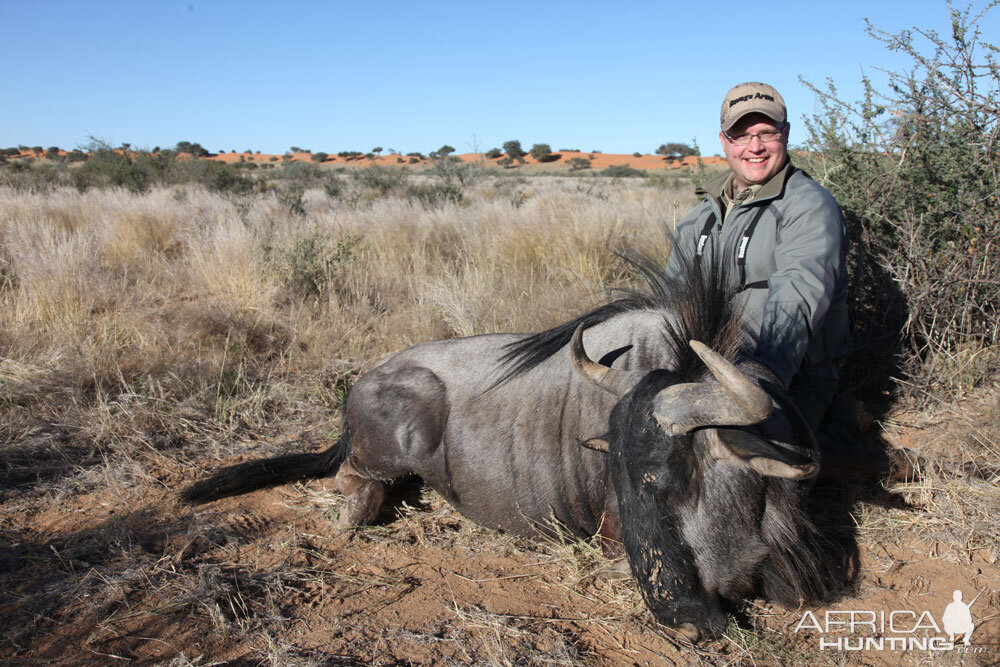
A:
{"x": 915, "y": 169}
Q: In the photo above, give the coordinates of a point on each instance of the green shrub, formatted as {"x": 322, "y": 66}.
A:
{"x": 434, "y": 195}
{"x": 211, "y": 175}
{"x": 622, "y": 171}
{"x": 318, "y": 157}
{"x": 195, "y": 149}
{"x": 291, "y": 198}
{"x": 513, "y": 149}
{"x": 304, "y": 174}
{"x": 915, "y": 169}
{"x": 382, "y": 180}
{"x": 542, "y": 153}
{"x": 309, "y": 268}
{"x": 453, "y": 170}
{"x": 333, "y": 186}
{"x": 27, "y": 175}
{"x": 110, "y": 167}
{"x": 577, "y": 163}
{"x": 494, "y": 153}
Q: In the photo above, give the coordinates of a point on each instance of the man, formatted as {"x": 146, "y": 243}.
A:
{"x": 787, "y": 240}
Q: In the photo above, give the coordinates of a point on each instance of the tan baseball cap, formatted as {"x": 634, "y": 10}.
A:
{"x": 751, "y": 97}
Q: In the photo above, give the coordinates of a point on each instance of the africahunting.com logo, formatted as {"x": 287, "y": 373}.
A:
{"x": 895, "y": 630}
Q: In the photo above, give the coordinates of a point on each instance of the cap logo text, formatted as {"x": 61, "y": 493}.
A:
{"x": 755, "y": 96}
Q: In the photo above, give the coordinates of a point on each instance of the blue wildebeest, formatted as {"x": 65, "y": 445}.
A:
{"x": 694, "y": 457}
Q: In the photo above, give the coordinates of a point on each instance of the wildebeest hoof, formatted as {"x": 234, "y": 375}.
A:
{"x": 344, "y": 522}
{"x": 689, "y": 631}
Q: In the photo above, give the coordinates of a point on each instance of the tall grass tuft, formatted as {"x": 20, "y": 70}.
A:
{"x": 206, "y": 310}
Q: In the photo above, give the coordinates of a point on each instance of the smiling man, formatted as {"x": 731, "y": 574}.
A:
{"x": 787, "y": 241}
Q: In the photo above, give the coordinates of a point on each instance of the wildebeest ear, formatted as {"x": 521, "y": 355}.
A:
{"x": 618, "y": 382}
{"x": 600, "y": 444}
{"x": 771, "y": 459}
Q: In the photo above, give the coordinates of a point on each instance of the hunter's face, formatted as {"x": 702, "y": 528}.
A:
{"x": 764, "y": 154}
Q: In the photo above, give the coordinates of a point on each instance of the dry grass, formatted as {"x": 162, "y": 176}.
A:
{"x": 146, "y": 337}
{"x": 956, "y": 451}
{"x": 184, "y": 297}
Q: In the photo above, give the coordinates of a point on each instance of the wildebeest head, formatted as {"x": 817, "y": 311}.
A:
{"x": 708, "y": 478}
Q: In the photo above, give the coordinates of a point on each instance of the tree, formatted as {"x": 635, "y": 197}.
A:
{"x": 541, "y": 152}
{"x": 444, "y": 151}
{"x": 194, "y": 149}
{"x": 377, "y": 150}
{"x": 513, "y": 150}
{"x": 676, "y": 150}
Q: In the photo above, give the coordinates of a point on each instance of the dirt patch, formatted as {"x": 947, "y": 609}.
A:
{"x": 126, "y": 574}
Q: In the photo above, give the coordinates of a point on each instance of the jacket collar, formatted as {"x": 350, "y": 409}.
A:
{"x": 774, "y": 187}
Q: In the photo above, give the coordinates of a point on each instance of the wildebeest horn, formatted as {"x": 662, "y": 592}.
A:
{"x": 609, "y": 379}
{"x": 737, "y": 401}
{"x": 768, "y": 457}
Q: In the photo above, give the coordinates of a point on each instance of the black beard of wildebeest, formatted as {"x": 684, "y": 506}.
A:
{"x": 703, "y": 463}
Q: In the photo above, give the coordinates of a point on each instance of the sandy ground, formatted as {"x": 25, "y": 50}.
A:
{"x": 121, "y": 573}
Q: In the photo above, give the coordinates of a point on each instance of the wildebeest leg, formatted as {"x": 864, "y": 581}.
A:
{"x": 397, "y": 417}
{"x": 364, "y": 497}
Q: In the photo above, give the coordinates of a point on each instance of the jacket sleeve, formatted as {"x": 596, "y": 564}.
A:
{"x": 808, "y": 258}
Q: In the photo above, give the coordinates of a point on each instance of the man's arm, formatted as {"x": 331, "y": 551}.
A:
{"x": 808, "y": 257}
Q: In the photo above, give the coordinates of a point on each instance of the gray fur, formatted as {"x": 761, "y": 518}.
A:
{"x": 700, "y": 525}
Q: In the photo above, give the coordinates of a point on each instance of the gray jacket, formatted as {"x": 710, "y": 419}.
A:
{"x": 795, "y": 269}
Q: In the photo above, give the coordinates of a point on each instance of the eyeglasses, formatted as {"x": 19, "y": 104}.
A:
{"x": 765, "y": 136}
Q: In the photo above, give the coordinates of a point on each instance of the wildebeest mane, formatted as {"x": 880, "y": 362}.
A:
{"x": 697, "y": 293}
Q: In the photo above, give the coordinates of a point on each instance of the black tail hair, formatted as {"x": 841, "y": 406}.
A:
{"x": 262, "y": 473}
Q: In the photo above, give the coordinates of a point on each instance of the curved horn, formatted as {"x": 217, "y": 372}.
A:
{"x": 768, "y": 457}
{"x": 609, "y": 379}
{"x": 735, "y": 401}
{"x": 755, "y": 402}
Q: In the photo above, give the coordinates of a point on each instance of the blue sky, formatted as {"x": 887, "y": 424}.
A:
{"x": 612, "y": 76}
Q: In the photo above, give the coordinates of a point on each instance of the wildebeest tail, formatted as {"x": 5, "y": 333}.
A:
{"x": 262, "y": 473}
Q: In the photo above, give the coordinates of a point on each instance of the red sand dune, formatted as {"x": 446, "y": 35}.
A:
{"x": 598, "y": 161}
